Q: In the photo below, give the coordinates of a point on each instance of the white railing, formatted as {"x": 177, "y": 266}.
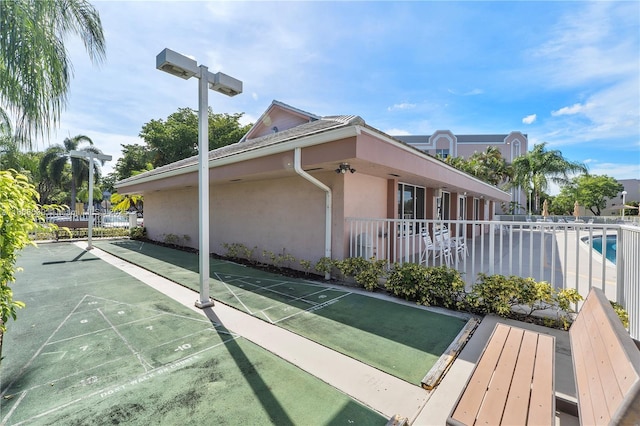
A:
{"x": 561, "y": 253}
{"x": 628, "y": 250}
{"x": 100, "y": 219}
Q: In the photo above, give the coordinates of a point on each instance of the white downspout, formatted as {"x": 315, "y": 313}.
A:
{"x": 328, "y": 197}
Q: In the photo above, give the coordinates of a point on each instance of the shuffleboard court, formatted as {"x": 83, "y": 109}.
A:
{"x": 405, "y": 341}
{"x": 95, "y": 346}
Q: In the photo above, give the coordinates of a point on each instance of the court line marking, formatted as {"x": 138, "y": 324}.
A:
{"x": 98, "y": 331}
{"x": 233, "y": 294}
{"x": 302, "y": 298}
{"x": 180, "y": 363}
{"x": 315, "y": 308}
{"x": 146, "y": 308}
{"x": 15, "y": 406}
{"x": 24, "y": 367}
{"x": 138, "y": 355}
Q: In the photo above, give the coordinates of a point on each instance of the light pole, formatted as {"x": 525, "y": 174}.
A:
{"x": 90, "y": 156}
{"x": 181, "y": 66}
{"x": 624, "y": 195}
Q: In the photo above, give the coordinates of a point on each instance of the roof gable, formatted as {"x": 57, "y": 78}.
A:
{"x": 278, "y": 117}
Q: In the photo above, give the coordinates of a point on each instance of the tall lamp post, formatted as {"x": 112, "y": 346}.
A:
{"x": 90, "y": 156}
{"x": 624, "y": 195}
{"x": 181, "y": 66}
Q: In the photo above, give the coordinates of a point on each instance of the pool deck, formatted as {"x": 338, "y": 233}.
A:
{"x": 382, "y": 392}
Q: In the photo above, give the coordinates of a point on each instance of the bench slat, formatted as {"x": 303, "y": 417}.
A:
{"x": 608, "y": 352}
{"x": 623, "y": 370}
{"x": 515, "y": 412}
{"x": 589, "y": 390}
{"x": 499, "y": 391}
{"x": 542, "y": 410}
{"x": 492, "y": 408}
{"x": 606, "y": 363}
{"x": 470, "y": 401}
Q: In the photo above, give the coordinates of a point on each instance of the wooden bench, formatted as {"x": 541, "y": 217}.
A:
{"x": 512, "y": 382}
{"x": 71, "y": 224}
{"x": 606, "y": 364}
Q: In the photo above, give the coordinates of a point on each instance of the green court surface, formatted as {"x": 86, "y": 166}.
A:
{"x": 95, "y": 346}
{"x": 404, "y": 341}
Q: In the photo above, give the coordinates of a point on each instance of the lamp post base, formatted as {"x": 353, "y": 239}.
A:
{"x": 204, "y": 304}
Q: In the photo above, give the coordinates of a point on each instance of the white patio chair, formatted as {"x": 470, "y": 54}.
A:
{"x": 436, "y": 248}
{"x": 457, "y": 244}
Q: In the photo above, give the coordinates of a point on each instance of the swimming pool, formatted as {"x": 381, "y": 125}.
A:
{"x": 611, "y": 243}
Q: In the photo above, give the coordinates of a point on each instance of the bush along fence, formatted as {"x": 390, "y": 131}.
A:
{"x": 508, "y": 296}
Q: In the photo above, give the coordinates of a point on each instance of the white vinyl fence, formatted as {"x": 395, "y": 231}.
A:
{"x": 568, "y": 254}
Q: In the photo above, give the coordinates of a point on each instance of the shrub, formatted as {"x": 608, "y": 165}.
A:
{"x": 137, "y": 233}
{"x": 325, "y": 265}
{"x": 366, "y": 273}
{"x": 622, "y": 313}
{"x": 440, "y": 286}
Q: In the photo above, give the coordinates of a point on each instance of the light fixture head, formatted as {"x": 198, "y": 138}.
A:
{"x": 344, "y": 168}
{"x": 176, "y": 64}
{"x": 225, "y": 84}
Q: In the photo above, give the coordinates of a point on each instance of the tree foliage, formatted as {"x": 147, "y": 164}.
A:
{"x": 35, "y": 69}
{"x": 591, "y": 191}
{"x": 56, "y": 158}
{"x": 19, "y": 214}
{"x": 536, "y": 169}
{"x": 176, "y": 137}
{"x": 135, "y": 159}
{"x": 488, "y": 165}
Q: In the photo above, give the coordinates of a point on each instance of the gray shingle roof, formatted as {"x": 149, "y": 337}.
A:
{"x": 314, "y": 127}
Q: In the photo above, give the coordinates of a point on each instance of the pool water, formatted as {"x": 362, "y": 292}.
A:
{"x": 611, "y": 243}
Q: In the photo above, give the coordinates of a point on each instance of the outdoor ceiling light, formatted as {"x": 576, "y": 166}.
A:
{"x": 344, "y": 168}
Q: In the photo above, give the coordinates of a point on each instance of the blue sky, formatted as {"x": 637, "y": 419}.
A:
{"x": 566, "y": 73}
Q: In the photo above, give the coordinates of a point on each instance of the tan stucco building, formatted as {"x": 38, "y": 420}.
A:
{"x": 443, "y": 143}
{"x": 290, "y": 184}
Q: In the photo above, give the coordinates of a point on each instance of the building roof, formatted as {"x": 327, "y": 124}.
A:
{"x": 481, "y": 139}
{"x": 321, "y": 125}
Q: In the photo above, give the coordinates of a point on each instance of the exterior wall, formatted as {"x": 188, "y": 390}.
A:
{"x": 172, "y": 212}
{"x": 511, "y": 146}
{"x": 364, "y": 197}
{"x": 284, "y": 216}
{"x": 632, "y": 186}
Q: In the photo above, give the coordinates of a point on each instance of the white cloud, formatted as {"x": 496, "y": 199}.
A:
{"x": 397, "y": 132}
{"x": 573, "y": 109}
{"x": 402, "y": 106}
{"x": 619, "y": 171}
{"x": 472, "y": 92}
{"x": 529, "y": 119}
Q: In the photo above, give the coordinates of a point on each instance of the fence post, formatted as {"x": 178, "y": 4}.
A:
{"x": 492, "y": 246}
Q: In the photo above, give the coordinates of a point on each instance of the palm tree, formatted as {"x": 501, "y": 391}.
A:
{"x": 490, "y": 166}
{"x": 534, "y": 171}
{"x": 57, "y": 157}
{"x": 34, "y": 65}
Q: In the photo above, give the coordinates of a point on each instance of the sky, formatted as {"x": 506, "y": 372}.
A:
{"x": 564, "y": 73}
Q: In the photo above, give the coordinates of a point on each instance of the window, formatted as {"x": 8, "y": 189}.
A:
{"x": 442, "y": 153}
{"x": 410, "y": 202}
{"x": 476, "y": 209}
{"x": 462, "y": 208}
{"x": 444, "y": 206}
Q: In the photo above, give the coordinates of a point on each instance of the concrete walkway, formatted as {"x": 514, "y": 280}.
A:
{"x": 380, "y": 391}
